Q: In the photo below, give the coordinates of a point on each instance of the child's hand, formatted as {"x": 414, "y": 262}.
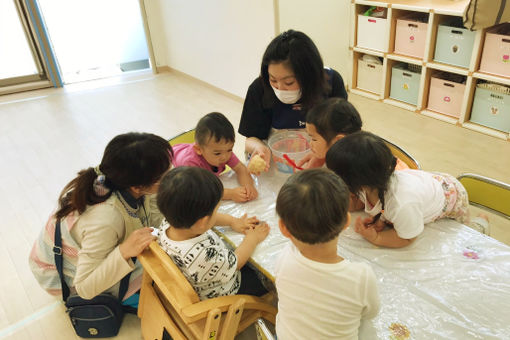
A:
{"x": 238, "y": 194}
{"x": 365, "y": 228}
{"x": 251, "y": 192}
{"x": 243, "y": 223}
{"x": 380, "y": 225}
{"x": 310, "y": 161}
{"x": 258, "y": 233}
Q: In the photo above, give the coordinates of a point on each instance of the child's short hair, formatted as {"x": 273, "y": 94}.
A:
{"x": 214, "y": 125}
{"x": 186, "y": 194}
{"x": 313, "y": 204}
{"x": 362, "y": 159}
{"x": 334, "y": 116}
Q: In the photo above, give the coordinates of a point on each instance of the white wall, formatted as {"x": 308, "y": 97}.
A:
{"x": 220, "y": 42}
{"x": 327, "y": 22}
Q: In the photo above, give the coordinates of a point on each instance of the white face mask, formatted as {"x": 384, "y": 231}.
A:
{"x": 375, "y": 209}
{"x": 287, "y": 97}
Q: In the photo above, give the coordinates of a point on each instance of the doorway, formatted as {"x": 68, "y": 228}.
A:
{"x": 94, "y": 39}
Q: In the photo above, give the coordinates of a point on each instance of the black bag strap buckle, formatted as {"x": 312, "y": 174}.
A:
{"x": 57, "y": 250}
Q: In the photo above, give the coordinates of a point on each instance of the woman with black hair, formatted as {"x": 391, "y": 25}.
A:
{"x": 292, "y": 80}
{"x": 105, "y": 214}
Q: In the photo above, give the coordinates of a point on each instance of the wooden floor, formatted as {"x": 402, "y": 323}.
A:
{"x": 46, "y": 136}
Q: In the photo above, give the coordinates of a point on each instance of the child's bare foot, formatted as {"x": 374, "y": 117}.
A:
{"x": 480, "y": 223}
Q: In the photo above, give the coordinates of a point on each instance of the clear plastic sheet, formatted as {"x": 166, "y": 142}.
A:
{"x": 450, "y": 283}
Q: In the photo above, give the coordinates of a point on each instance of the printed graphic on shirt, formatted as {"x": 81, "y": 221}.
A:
{"x": 206, "y": 262}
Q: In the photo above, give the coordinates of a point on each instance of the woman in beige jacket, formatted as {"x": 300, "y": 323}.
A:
{"x": 106, "y": 216}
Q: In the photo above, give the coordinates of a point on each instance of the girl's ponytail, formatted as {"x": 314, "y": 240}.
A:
{"x": 382, "y": 190}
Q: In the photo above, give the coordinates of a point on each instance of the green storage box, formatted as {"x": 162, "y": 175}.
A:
{"x": 492, "y": 109}
{"x": 454, "y": 46}
{"x": 405, "y": 84}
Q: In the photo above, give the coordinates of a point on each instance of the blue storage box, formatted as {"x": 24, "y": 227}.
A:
{"x": 491, "y": 108}
{"x": 454, "y": 46}
{"x": 405, "y": 84}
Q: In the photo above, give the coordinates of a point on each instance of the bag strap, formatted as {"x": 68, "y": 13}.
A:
{"x": 59, "y": 263}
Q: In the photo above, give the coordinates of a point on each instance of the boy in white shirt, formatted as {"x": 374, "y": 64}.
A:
{"x": 189, "y": 198}
{"x": 320, "y": 294}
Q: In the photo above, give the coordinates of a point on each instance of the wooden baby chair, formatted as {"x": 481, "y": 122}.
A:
{"x": 185, "y": 137}
{"x": 403, "y": 155}
{"x": 169, "y": 304}
{"x": 487, "y": 193}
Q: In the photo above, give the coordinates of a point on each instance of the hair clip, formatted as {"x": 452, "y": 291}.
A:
{"x": 99, "y": 186}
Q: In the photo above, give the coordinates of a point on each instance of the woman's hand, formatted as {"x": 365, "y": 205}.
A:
{"x": 255, "y": 146}
{"x": 264, "y": 153}
{"x": 243, "y": 223}
{"x": 136, "y": 243}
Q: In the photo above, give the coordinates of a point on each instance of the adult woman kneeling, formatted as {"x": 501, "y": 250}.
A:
{"x": 105, "y": 216}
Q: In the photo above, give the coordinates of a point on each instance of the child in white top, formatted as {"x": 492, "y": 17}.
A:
{"x": 405, "y": 200}
{"x": 320, "y": 294}
{"x": 189, "y": 198}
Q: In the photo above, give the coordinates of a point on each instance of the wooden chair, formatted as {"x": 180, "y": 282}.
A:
{"x": 403, "y": 155}
{"x": 185, "y": 137}
{"x": 263, "y": 332}
{"x": 169, "y": 304}
{"x": 487, "y": 193}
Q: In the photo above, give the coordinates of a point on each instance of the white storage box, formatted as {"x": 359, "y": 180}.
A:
{"x": 372, "y": 33}
{"x": 370, "y": 76}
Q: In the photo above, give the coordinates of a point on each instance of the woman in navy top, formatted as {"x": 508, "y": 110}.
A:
{"x": 292, "y": 80}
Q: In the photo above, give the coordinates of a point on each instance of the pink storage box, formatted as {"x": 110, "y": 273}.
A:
{"x": 496, "y": 51}
{"x": 446, "y": 96}
{"x": 410, "y": 37}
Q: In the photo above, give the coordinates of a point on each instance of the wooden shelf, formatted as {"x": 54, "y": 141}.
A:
{"x": 440, "y": 116}
{"x": 405, "y": 59}
{"x": 486, "y": 130}
{"x": 491, "y": 77}
{"x": 367, "y": 94}
{"x": 438, "y": 11}
{"x": 448, "y": 7}
{"x": 400, "y": 104}
{"x": 448, "y": 68}
{"x": 367, "y": 51}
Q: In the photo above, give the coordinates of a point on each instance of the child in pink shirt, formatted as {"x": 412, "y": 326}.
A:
{"x": 212, "y": 150}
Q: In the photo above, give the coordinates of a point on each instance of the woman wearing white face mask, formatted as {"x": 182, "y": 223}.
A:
{"x": 292, "y": 80}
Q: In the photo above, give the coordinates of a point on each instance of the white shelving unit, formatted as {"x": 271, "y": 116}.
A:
{"x": 438, "y": 11}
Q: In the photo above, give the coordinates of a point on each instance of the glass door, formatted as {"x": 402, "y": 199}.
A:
{"x": 95, "y": 39}
{"x": 20, "y": 62}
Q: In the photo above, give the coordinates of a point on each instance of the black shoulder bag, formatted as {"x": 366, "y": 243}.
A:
{"x": 100, "y": 317}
